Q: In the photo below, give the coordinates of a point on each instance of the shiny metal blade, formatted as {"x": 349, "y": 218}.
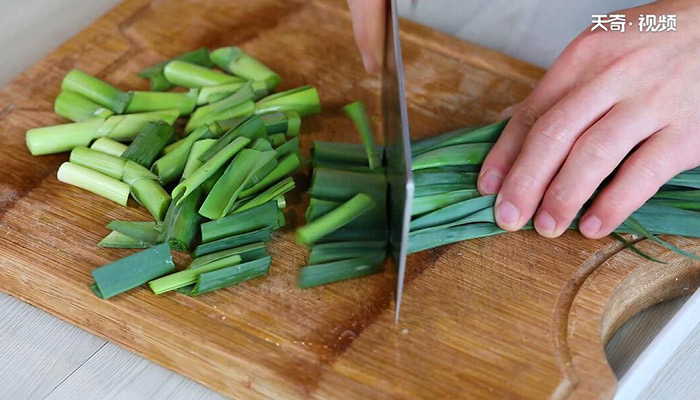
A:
{"x": 397, "y": 148}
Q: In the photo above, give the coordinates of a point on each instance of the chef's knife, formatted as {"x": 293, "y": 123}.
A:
{"x": 397, "y": 144}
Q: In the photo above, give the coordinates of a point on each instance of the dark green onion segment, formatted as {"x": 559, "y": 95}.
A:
{"x": 132, "y": 271}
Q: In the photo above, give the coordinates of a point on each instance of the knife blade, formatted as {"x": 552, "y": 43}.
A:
{"x": 397, "y": 148}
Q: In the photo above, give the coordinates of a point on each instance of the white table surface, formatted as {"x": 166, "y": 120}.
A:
{"x": 42, "y": 357}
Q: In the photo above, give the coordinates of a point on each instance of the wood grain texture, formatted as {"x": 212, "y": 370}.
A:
{"x": 514, "y": 316}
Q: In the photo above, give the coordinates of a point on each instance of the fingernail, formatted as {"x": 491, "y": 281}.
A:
{"x": 590, "y": 226}
{"x": 507, "y": 215}
{"x": 545, "y": 224}
{"x": 490, "y": 181}
{"x": 507, "y": 112}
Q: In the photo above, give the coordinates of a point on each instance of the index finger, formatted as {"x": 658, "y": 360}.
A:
{"x": 369, "y": 25}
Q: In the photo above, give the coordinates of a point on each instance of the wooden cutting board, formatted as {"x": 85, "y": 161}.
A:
{"x": 513, "y": 316}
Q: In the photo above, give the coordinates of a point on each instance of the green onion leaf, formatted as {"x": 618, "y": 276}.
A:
{"x": 327, "y": 252}
{"x": 483, "y": 134}
{"x": 356, "y": 111}
{"x": 187, "y": 186}
{"x": 263, "y": 216}
{"x": 132, "y": 271}
{"x": 189, "y": 276}
{"x": 229, "y": 276}
{"x": 341, "y": 216}
{"x": 462, "y": 154}
{"x": 260, "y": 235}
{"x": 149, "y": 142}
{"x": 321, "y": 274}
{"x": 247, "y": 253}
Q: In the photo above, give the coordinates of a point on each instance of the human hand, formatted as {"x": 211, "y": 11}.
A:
{"x": 611, "y": 98}
{"x": 369, "y": 24}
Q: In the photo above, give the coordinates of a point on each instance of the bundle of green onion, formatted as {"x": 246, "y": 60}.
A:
{"x": 447, "y": 207}
{"x": 346, "y": 217}
{"x": 215, "y": 190}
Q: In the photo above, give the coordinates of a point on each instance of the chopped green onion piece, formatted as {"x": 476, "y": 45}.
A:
{"x": 271, "y": 193}
{"x": 170, "y": 166}
{"x": 193, "y": 162}
{"x": 261, "y": 144}
{"x": 226, "y": 190}
{"x": 155, "y": 73}
{"x": 149, "y": 142}
{"x": 109, "y": 165}
{"x": 277, "y": 139}
{"x": 426, "y": 204}
{"x": 357, "y": 113}
{"x": 336, "y": 271}
{"x": 189, "y": 276}
{"x": 187, "y": 186}
{"x": 145, "y": 231}
{"x": 303, "y": 100}
{"x": 341, "y": 216}
{"x": 181, "y": 226}
{"x": 225, "y": 277}
{"x": 289, "y": 147}
{"x": 251, "y": 128}
{"x": 172, "y": 146}
{"x": 345, "y": 154}
{"x": 60, "y": 138}
{"x": 327, "y": 252}
{"x": 96, "y": 90}
{"x": 211, "y": 94}
{"x": 285, "y": 167}
{"x": 151, "y": 195}
{"x": 126, "y": 127}
{"x": 132, "y": 271}
{"x": 260, "y": 235}
{"x": 238, "y": 104}
{"x": 352, "y": 234}
{"x": 109, "y": 146}
{"x": 339, "y": 185}
{"x": 318, "y": 208}
{"x": 182, "y": 73}
{"x": 118, "y": 240}
{"x": 247, "y": 253}
{"x": 156, "y": 101}
{"x": 78, "y": 108}
{"x": 483, "y": 134}
{"x": 95, "y": 182}
{"x": 288, "y": 123}
{"x": 236, "y": 61}
{"x": 461, "y": 154}
{"x": 263, "y": 216}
